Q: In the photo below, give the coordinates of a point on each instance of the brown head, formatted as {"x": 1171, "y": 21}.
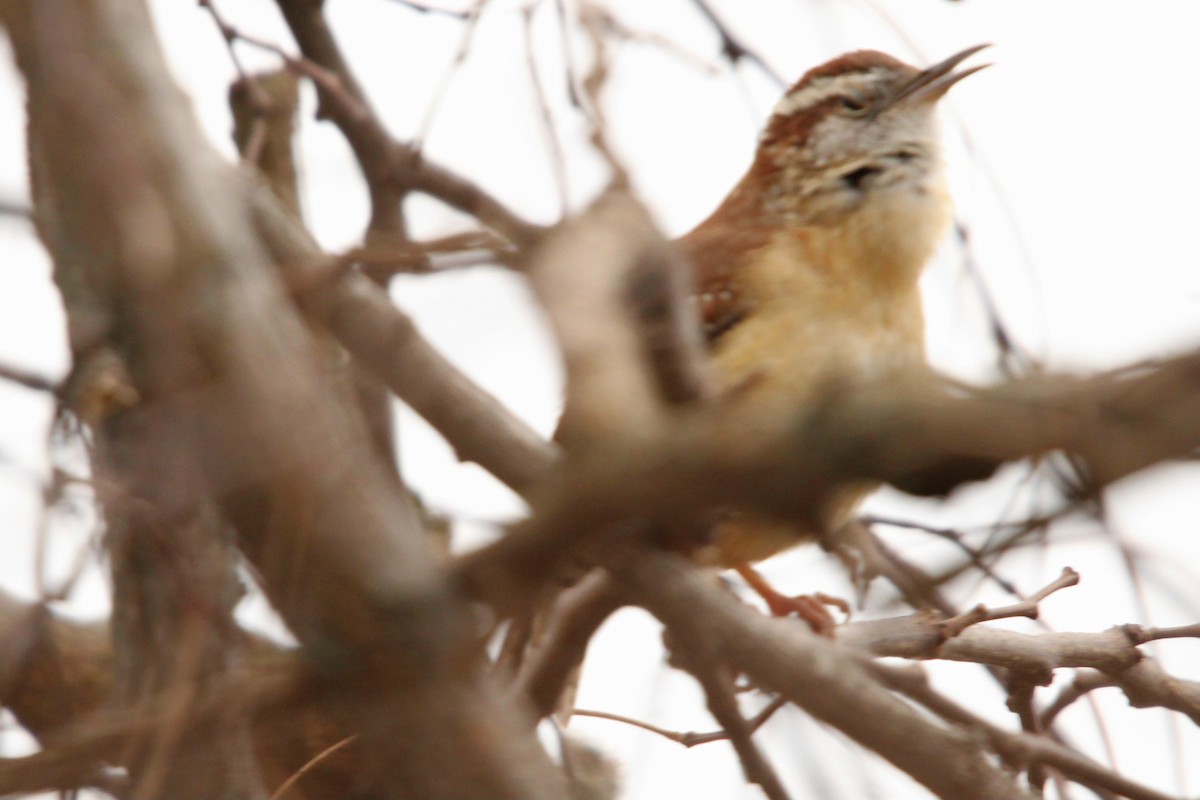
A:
{"x": 861, "y": 123}
{"x": 850, "y": 161}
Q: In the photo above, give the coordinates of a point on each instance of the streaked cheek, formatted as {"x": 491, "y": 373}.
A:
{"x": 835, "y": 139}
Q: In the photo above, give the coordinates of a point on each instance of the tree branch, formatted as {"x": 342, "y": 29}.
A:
{"x": 920, "y": 435}
{"x": 29, "y": 380}
{"x": 814, "y": 673}
{"x": 696, "y": 653}
{"x": 212, "y": 337}
{"x": 575, "y": 616}
{"x": 386, "y": 341}
{"x": 1018, "y": 749}
{"x": 390, "y": 167}
{"x": 1113, "y": 652}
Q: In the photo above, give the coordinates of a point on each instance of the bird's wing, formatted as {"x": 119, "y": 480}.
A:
{"x": 716, "y": 255}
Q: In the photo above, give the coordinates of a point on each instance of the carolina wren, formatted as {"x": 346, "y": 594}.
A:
{"x": 808, "y": 269}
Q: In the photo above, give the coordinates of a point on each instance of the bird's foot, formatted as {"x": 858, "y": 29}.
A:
{"x": 811, "y": 608}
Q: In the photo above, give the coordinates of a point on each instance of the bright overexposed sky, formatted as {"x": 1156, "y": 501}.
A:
{"x": 1071, "y": 161}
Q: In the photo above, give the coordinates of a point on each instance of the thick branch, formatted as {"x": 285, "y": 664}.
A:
{"x": 575, "y": 616}
{"x": 52, "y": 672}
{"x": 56, "y": 676}
{"x": 815, "y": 674}
{"x": 920, "y": 435}
{"x": 1113, "y": 652}
{"x": 693, "y": 650}
{"x": 582, "y": 273}
{"x": 175, "y": 585}
{"x": 387, "y": 342}
{"x": 264, "y": 111}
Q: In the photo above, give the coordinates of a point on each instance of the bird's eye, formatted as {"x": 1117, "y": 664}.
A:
{"x": 853, "y": 105}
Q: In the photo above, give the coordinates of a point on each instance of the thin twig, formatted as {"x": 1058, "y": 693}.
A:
{"x": 974, "y": 555}
{"x": 324, "y": 78}
{"x": 619, "y": 29}
{"x": 1014, "y": 360}
{"x": 1085, "y": 681}
{"x": 441, "y": 90}
{"x": 571, "y": 70}
{"x": 733, "y": 48}
{"x": 554, "y": 150}
{"x": 694, "y": 652}
{"x": 865, "y": 556}
{"x": 228, "y": 33}
{"x": 1017, "y": 749}
{"x": 593, "y": 19}
{"x": 1026, "y": 608}
{"x": 391, "y": 168}
{"x": 8, "y": 208}
{"x": 382, "y": 258}
{"x": 425, "y": 8}
{"x": 1140, "y": 635}
{"x": 717, "y": 681}
{"x": 310, "y": 765}
{"x": 688, "y": 739}
{"x": 29, "y": 380}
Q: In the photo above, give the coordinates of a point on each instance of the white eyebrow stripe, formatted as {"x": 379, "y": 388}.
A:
{"x": 821, "y": 89}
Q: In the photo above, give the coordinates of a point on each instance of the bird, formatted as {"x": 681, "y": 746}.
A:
{"x": 808, "y": 270}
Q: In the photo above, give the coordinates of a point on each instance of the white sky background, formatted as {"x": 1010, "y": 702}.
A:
{"x": 1083, "y": 137}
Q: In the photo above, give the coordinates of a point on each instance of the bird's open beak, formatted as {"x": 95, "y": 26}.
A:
{"x": 930, "y": 84}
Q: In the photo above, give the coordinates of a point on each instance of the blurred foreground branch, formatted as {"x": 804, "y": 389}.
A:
{"x": 215, "y": 346}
